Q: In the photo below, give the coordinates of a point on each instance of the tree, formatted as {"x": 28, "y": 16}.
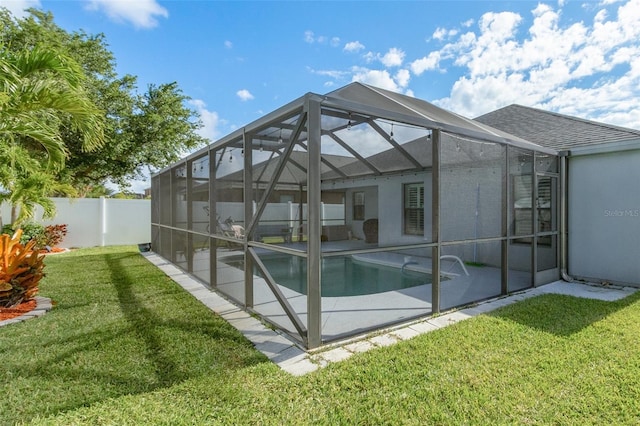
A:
{"x": 157, "y": 131}
{"x": 149, "y": 130}
{"x": 40, "y": 91}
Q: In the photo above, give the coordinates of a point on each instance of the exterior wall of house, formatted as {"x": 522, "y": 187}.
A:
{"x": 471, "y": 199}
{"x": 472, "y": 209}
{"x": 604, "y": 216}
{"x": 383, "y": 201}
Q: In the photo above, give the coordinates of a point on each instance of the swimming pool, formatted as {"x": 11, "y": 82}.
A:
{"x": 341, "y": 276}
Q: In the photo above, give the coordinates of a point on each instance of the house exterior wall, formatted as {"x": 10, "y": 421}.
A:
{"x": 370, "y": 207}
{"x": 604, "y": 217}
{"x": 482, "y": 193}
{"x": 383, "y": 201}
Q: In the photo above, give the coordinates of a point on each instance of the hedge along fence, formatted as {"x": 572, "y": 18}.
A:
{"x": 97, "y": 221}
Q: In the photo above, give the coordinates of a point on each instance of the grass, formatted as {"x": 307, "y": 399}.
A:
{"x": 125, "y": 345}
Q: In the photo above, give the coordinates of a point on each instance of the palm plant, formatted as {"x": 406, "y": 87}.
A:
{"x": 39, "y": 91}
{"x": 26, "y": 184}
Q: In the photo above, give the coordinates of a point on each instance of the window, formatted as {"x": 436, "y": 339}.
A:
{"x": 522, "y": 213}
{"x": 414, "y": 208}
{"x": 358, "y": 205}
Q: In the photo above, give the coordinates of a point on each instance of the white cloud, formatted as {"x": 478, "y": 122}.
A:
{"x": 393, "y": 58}
{"x": 140, "y": 13}
{"x": 228, "y": 44}
{"x": 402, "y": 77}
{"x": 370, "y": 57}
{"x": 353, "y": 46}
{"x": 309, "y": 37}
{"x": 588, "y": 69}
{"x": 382, "y": 78}
{"x": 210, "y": 120}
{"x": 244, "y": 95}
{"x": 468, "y": 23}
{"x": 376, "y": 78}
{"x": 18, "y": 7}
{"x": 429, "y": 62}
{"x": 443, "y": 33}
{"x": 335, "y": 74}
{"x": 439, "y": 34}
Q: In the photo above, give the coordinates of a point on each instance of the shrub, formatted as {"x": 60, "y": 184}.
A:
{"x": 44, "y": 236}
{"x": 20, "y": 270}
{"x": 54, "y": 234}
{"x": 32, "y": 232}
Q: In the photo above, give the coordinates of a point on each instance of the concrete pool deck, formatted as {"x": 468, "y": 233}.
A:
{"x": 295, "y": 360}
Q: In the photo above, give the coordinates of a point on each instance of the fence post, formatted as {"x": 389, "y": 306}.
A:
{"x": 103, "y": 221}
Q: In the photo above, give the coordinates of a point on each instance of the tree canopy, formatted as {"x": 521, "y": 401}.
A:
{"x": 142, "y": 131}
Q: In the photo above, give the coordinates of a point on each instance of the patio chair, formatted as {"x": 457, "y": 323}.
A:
{"x": 370, "y": 229}
{"x": 302, "y": 232}
{"x": 230, "y": 229}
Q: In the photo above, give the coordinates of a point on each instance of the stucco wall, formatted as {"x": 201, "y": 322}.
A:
{"x": 604, "y": 217}
{"x": 464, "y": 193}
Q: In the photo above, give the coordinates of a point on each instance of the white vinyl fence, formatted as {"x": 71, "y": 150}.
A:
{"x": 97, "y": 221}
{"x": 276, "y": 213}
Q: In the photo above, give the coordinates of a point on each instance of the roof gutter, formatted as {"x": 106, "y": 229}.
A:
{"x": 606, "y": 148}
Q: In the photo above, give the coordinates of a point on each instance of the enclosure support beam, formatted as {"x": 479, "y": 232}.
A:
{"x": 172, "y": 179}
{"x": 282, "y": 162}
{"x": 435, "y": 224}
{"x": 189, "y": 249}
{"x": 247, "y": 148}
{"x": 506, "y": 211}
{"x": 213, "y": 243}
{"x": 314, "y": 299}
{"x": 281, "y": 298}
{"x": 353, "y": 152}
{"x": 301, "y": 214}
{"x": 326, "y": 163}
{"x": 534, "y": 219}
{"x": 395, "y": 144}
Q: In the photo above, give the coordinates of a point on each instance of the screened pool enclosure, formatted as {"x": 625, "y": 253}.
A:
{"x": 341, "y": 213}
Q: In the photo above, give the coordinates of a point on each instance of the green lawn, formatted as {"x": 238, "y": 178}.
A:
{"x": 125, "y": 345}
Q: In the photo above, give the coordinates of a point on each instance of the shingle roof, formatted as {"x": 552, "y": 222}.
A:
{"x": 294, "y": 172}
{"x": 553, "y": 130}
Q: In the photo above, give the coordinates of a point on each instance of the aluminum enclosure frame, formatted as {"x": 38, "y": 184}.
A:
{"x": 307, "y": 132}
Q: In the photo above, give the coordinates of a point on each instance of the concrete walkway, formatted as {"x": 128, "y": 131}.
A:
{"x": 295, "y": 360}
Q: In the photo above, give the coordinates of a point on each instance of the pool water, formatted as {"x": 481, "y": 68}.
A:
{"x": 341, "y": 276}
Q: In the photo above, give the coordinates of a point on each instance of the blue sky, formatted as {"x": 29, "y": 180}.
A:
{"x": 238, "y": 60}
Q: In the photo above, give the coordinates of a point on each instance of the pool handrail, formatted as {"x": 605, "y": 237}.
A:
{"x": 457, "y": 259}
